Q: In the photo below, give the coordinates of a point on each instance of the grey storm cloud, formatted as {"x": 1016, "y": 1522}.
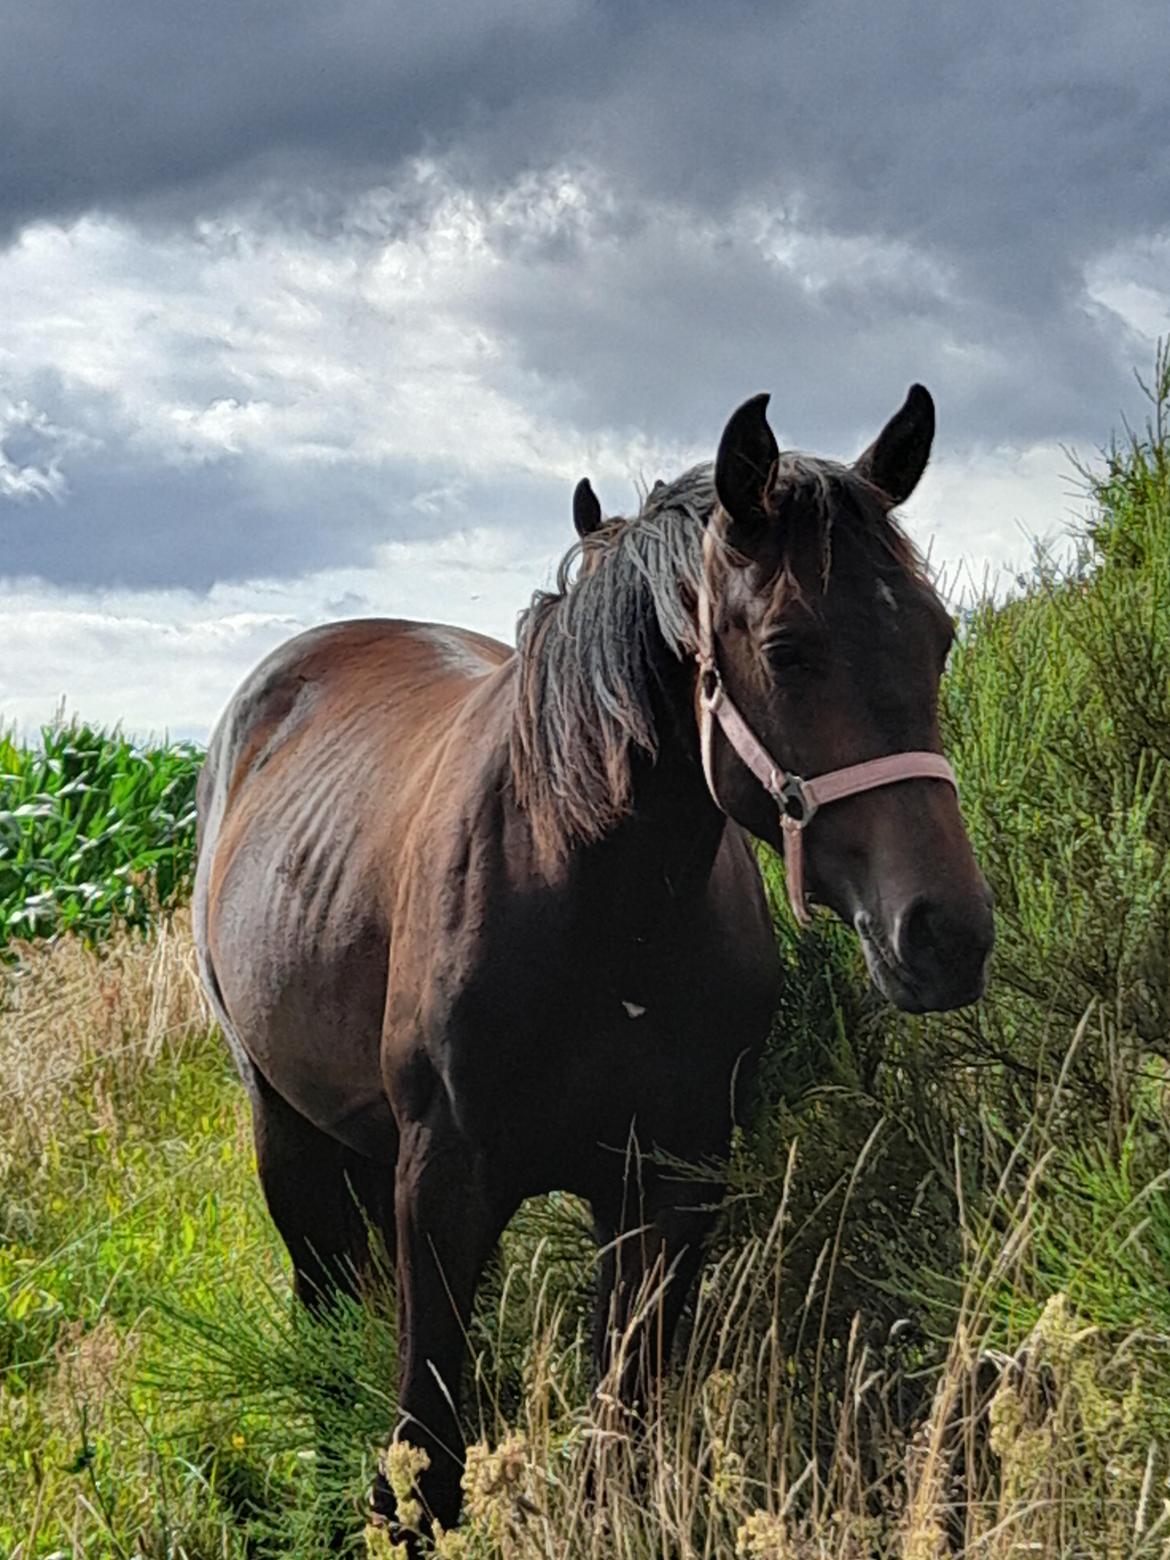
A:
{"x": 993, "y": 150}
{"x": 658, "y": 330}
{"x": 143, "y": 524}
{"x": 994, "y": 132}
{"x": 110, "y": 103}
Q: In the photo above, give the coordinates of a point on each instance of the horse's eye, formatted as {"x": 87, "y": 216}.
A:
{"x": 784, "y": 653}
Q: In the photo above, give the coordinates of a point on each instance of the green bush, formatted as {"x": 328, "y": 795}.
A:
{"x": 1019, "y": 1152}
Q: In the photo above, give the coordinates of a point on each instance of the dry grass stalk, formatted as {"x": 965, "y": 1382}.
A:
{"x": 68, "y": 1010}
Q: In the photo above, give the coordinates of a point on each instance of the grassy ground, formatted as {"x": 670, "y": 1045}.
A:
{"x": 158, "y": 1390}
{"x": 124, "y": 1185}
{"x": 936, "y": 1319}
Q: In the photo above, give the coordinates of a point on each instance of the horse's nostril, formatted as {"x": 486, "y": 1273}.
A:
{"x": 916, "y": 931}
{"x": 929, "y": 933}
{"x": 941, "y": 949}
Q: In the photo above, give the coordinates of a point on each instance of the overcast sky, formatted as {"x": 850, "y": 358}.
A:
{"x": 318, "y": 308}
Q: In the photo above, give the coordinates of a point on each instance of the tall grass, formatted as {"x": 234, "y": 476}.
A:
{"x": 936, "y": 1318}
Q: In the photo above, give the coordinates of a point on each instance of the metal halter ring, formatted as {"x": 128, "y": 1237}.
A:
{"x": 711, "y": 687}
{"x": 795, "y": 802}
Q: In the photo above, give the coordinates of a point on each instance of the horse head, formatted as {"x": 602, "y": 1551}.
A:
{"x": 826, "y": 645}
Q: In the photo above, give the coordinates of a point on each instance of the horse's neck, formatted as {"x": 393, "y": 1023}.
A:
{"x": 671, "y": 835}
{"x": 668, "y": 844}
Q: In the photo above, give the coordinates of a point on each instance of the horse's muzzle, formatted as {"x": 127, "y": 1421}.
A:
{"x": 935, "y": 955}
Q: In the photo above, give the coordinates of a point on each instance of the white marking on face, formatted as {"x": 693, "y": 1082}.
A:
{"x": 886, "y": 596}
{"x": 633, "y": 1009}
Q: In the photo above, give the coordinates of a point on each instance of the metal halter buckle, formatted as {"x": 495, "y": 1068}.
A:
{"x": 711, "y": 687}
{"x": 794, "y": 800}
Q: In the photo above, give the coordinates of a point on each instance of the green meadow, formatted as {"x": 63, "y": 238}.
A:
{"x": 937, "y": 1316}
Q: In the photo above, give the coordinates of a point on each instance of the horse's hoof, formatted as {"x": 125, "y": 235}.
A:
{"x": 382, "y": 1506}
{"x": 384, "y": 1542}
{"x": 384, "y": 1534}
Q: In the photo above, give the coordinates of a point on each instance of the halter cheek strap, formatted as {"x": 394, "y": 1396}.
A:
{"x": 798, "y": 799}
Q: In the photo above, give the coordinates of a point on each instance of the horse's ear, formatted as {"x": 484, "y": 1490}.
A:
{"x": 747, "y": 454}
{"x": 587, "y": 516}
{"x": 897, "y": 457}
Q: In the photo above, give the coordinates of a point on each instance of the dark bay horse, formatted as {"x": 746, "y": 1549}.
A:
{"x": 473, "y": 920}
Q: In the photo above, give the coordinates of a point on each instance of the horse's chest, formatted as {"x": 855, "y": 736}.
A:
{"x": 589, "y": 989}
{"x": 589, "y": 1042}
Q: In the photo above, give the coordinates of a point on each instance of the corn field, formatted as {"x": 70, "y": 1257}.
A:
{"x": 95, "y": 831}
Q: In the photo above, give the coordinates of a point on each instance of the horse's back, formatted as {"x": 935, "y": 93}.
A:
{"x": 311, "y": 779}
{"x": 349, "y": 672}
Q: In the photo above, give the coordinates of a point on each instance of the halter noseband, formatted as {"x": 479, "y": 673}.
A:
{"x": 798, "y": 799}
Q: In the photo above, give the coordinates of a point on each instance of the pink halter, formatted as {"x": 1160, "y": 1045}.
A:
{"x": 798, "y": 799}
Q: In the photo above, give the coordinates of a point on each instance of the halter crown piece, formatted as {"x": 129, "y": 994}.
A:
{"x": 798, "y": 799}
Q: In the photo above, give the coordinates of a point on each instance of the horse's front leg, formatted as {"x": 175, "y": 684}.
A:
{"x": 648, "y": 1269}
{"x": 447, "y": 1225}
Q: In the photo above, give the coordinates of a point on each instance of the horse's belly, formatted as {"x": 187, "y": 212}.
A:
{"x": 303, "y": 980}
